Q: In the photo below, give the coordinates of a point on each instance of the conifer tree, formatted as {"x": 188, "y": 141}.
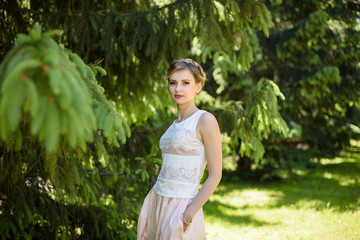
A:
{"x": 312, "y": 54}
{"x": 78, "y": 152}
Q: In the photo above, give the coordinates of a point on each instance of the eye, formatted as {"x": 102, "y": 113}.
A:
{"x": 171, "y": 83}
{"x": 186, "y": 83}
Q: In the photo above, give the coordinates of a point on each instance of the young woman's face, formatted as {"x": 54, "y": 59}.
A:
{"x": 183, "y": 87}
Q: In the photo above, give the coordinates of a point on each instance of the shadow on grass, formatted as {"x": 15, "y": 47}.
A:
{"x": 219, "y": 210}
{"x": 334, "y": 186}
{"x": 326, "y": 192}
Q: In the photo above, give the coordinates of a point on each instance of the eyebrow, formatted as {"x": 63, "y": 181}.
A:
{"x": 170, "y": 79}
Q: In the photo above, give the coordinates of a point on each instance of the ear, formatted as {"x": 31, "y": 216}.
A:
{"x": 199, "y": 87}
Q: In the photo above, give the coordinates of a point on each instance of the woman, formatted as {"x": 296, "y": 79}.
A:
{"x": 173, "y": 207}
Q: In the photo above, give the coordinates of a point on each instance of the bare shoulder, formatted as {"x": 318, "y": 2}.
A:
{"x": 207, "y": 121}
{"x": 206, "y": 117}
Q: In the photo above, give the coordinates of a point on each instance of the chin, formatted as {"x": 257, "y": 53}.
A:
{"x": 178, "y": 101}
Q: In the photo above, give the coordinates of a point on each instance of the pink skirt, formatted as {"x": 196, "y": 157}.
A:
{"x": 161, "y": 219}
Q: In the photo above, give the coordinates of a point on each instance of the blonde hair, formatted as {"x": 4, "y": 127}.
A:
{"x": 189, "y": 64}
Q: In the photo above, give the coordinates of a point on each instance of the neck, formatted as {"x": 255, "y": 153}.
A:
{"x": 185, "y": 111}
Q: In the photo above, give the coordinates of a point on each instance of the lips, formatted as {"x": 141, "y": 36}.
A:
{"x": 178, "y": 96}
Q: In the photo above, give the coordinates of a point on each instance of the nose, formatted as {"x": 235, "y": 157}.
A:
{"x": 178, "y": 88}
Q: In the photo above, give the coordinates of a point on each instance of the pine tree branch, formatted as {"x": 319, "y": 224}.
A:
{"x": 81, "y": 13}
{"x": 110, "y": 174}
{"x": 107, "y": 108}
{"x": 149, "y": 129}
{"x": 97, "y": 63}
{"x": 21, "y": 10}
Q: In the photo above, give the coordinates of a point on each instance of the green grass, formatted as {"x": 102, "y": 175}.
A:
{"x": 322, "y": 203}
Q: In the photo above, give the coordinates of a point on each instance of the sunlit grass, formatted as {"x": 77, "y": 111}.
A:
{"x": 322, "y": 203}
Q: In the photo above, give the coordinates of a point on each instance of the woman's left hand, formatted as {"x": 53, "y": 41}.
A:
{"x": 187, "y": 219}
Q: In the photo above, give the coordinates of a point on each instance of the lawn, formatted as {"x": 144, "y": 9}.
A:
{"x": 321, "y": 203}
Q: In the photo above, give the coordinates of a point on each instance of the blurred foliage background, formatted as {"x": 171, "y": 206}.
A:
{"x": 83, "y": 101}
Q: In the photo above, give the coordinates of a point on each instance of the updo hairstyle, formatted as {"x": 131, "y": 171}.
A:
{"x": 189, "y": 64}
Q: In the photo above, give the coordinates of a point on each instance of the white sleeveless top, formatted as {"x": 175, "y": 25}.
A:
{"x": 183, "y": 160}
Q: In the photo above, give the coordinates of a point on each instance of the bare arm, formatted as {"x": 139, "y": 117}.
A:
{"x": 210, "y": 134}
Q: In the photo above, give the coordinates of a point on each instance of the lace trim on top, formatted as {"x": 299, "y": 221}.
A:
{"x": 181, "y": 142}
{"x": 179, "y": 174}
